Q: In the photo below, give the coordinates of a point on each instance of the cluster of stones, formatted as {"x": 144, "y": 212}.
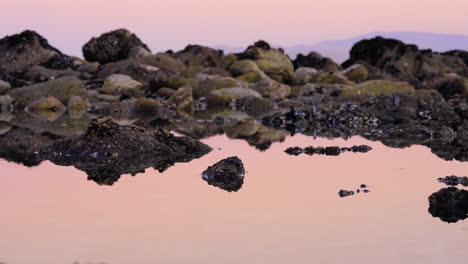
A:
{"x": 329, "y": 151}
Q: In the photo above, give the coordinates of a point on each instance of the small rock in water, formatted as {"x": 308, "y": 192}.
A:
{"x": 227, "y": 174}
{"x": 363, "y": 186}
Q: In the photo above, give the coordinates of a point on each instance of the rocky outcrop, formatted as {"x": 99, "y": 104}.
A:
{"x": 107, "y": 150}
{"x": 316, "y": 61}
{"x": 112, "y": 46}
{"x": 402, "y": 62}
{"x": 227, "y": 174}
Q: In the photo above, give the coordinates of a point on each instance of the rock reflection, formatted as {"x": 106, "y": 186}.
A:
{"x": 107, "y": 150}
{"x": 449, "y": 204}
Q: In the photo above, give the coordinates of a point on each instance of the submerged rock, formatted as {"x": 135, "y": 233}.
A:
{"x": 107, "y": 150}
{"x": 228, "y": 174}
{"x": 112, "y": 46}
{"x": 449, "y": 204}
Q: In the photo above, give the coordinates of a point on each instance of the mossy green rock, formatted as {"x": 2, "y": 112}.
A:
{"x": 163, "y": 61}
{"x": 121, "y": 85}
{"x": 226, "y": 96}
{"x": 378, "y": 88}
{"x": 272, "y": 89}
{"x": 276, "y": 64}
{"x": 305, "y": 75}
{"x": 46, "y": 109}
{"x": 242, "y": 67}
{"x": 204, "y": 84}
{"x": 62, "y": 89}
{"x": 78, "y": 106}
{"x": 356, "y": 73}
{"x": 334, "y": 78}
{"x": 183, "y": 100}
{"x": 251, "y": 77}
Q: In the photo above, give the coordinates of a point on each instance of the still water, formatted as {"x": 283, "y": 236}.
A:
{"x": 288, "y": 210}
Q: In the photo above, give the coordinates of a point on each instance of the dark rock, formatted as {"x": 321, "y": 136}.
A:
{"x": 295, "y": 151}
{"x": 199, "y": 56}
{"x": 20, "y": 52}
{"x": 404, "y": 62}
{"x": 107, "y": 150}
{"x": 459, "y": 53}
{"x": 112, "y": 46}
{"x": 449, "y": 204}
{"x": 227, "y": 174}
{"x": 316, "y": 61}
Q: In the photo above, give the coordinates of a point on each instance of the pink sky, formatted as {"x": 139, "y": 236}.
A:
{"x": 172, "y": 24}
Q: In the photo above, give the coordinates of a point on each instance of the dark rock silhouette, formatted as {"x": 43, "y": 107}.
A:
{"x": 112, "y": 46}
{"x": 227, "y": 174}
{"x": 449, "y": 204}
{"x": 454, "y": 180}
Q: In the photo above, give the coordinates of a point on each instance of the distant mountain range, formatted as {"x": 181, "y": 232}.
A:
{"x": 338, "y": 50}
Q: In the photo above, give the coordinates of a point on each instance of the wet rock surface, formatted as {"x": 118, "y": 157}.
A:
{"x": 108, "y": 150}
{"x": 449, "y": 204}
{"x": 227, "y": 174}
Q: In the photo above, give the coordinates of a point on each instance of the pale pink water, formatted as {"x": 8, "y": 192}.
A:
{"x": 288, "y": 211}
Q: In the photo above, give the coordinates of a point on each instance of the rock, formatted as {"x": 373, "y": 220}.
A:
{"x": 227, "y": 174}
{"x": 345, "y": 193}
{"x": 163, "y": 61}
{"x": 462, "y": 54}
{"x": 4, "y": 128}
{"x": 164, "y": 93}
{"x": 405, "y": 62}
{"x": 321, "y": 88}
{"x": 252, "y": 77}
{"x": 449, "y": 204}
{"x": 89, "y": 67}
{"x": 6, "y": 108}
{"x": 333, "y": 78}
{"x": 62, "y": 89}
{"x": 183, "y": 100}
{"x": 199, "y": 56}
{"x": 449, "y": 85}
{"x": 225, "y": 96}
{"x": 131, "y": 67}
{"x": 274, "y": 62}
{"x": 121, "y": 85}
{"x": 147, "y": 108}
{"x": 378, "y": 88}
{"x": 112, "y": 46}
{"x": 78, "y": 106}
{"x": 255, "y": 106}
{"x": 46, "y": 109}
{"x": 242, "y": 67}
{"x": 429, "y": 96}
{"x": 316, "y": 61}
{"x": 305, "y": 75}
{"x": 4, "y": 87}
{"x": 138, "y": 52}
{"x": 42, "y": 74}
{"x": 294, "y": 151}
{"x": 356, "y": 73}
{"x": 107, "y": 150}
{"x": 204, "y": 84}
{"x": 272, "y": 89}
{"x": 21, "y": 51}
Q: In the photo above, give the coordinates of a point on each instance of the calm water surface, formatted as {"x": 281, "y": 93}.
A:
{"x": 288, "y": 210}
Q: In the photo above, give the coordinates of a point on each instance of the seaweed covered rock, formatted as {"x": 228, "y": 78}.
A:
{"x": 21, "y": 51}
{"x": 228, "y": 174}
{"x": 449, "y": 204}
{"x": 200, "y": 56}
{"x": 111, "y": 46}
{"x": 108, "y": 150}
{"x": 378, "y": 88}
